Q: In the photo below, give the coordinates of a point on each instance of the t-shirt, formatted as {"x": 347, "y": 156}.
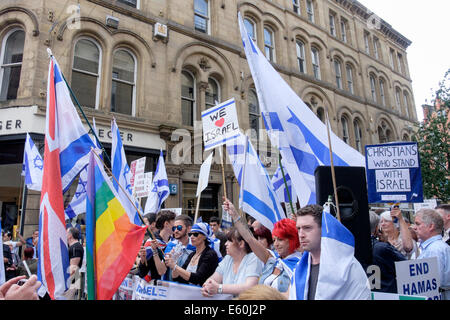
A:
{"x": 250, "y": 266}
{"x": 313, "y": 277}
{"x": 76, "y": 251}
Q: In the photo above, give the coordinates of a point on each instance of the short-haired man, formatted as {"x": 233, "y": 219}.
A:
{"x": 76, "y": 250}
{"x": 341, "y": 279}
{"x": 444, "y": 211}
{"x": 214, "y": 223}
{"x": 428, "y": 226}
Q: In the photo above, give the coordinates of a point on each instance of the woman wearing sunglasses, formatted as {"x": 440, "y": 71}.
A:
{"x": 201, "y": 263}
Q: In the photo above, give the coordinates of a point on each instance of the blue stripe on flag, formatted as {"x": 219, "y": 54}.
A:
{"x": 252, "y": 45}
{"x": 57, "y": 74}
{"x": 259, "y": 206}
{"x": 321, "y": 151}
{"x": 71, "y": 155}
{"x": 221, "y": 141}
{"x": 333, "y": 229}
{"x": 299, "y": 278}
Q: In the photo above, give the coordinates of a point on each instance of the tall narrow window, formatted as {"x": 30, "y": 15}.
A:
{"x": 400, "y": 62}
{"x": 373, "y": 88}
{"x": 358, "y": 135}
{"x": 296, "y": 6}
{"x": 187, "y": 98}
{"x": 366, "y": 42}
{"x": 310, "y": 10}
{"x": 300, "y": 46}
{"x": 212, "y": 93}
{"x": 376, "y": 48}
{"x": 321, "y": 114}
{"x": 397, "y": 100}
{"x": 253, "y": 114}
{"x": 123, "y": 82}
{"x": 269, "y": 47}
{"x": 343, "y": 30}
{"x": 391, "y": 58}
{"x": 201, "y": 15}
{"x": 251, "y": 29}
{"x": 11, "y": 64}
{"x": 315, "y": 62}
{"x": 382, "y": 93}
{"x": 406, "y": 103}
{"x": 86, "y": 72}
{"x": 338, "y": 72}
{"x": 344, "y": 123}
{"x": 349, "y": 70}
{"x": 333, "y": 25}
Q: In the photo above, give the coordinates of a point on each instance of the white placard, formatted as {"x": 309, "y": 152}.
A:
{"x": 419, "y": 277}
{"x": 139, "y": 178}
{"x": 220, "y": 123}
{"x": 392, "y": 180}
{"x": 426, "y": 204}
{"x": 392, "y": 157}
{"x": 177, "y": 211}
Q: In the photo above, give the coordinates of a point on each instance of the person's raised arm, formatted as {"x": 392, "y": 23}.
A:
{"x": 407, "y": 240}
{"x": 258, "y": 249}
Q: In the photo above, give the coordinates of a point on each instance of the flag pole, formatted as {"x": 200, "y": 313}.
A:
{"x": 333, "y": 177}
{"x": 197, "y": 207}
{"x": 285, "y": 184}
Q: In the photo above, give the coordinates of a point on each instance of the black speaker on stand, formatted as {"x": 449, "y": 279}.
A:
{"x": 353, "y": 204}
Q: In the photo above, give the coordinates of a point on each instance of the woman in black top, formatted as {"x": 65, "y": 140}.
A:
{"x": 201, "y": 263}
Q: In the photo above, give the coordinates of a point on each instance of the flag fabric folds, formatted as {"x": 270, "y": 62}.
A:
{"x": 341, "y": 276}
{"x": 299, "y": 134}
{"x": 112, "y": 241}
{"x": 53, "y": 255}
{"x": 121, "y": 172}
{"x": 257, "y": 197}
{"x": 160, "y": 188}
{"x": 204, "y": 174}
{"x": 32, "y": 166}
{"x": 280, "y": 187}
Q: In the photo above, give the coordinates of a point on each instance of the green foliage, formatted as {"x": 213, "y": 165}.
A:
{"x": 433, "y": 138}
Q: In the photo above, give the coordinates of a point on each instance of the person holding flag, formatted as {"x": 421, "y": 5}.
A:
{"x": 278, "y": 268}
{"x": 328, "y": 269}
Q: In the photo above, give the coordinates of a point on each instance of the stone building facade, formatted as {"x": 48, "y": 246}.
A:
{"x": 155, "y": 65}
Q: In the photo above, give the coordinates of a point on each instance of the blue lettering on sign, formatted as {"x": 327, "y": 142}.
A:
{"x": 417, "y": 269}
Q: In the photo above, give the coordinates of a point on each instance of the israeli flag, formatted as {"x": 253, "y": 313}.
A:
{"x": 160, "y": 188}
{"x": 33, "y": 165}
{"x": 122, "y": 174}
{"x": 299, "y": 134}
{"x": 341, "y": 276}
{"x": 280, "y": 187}
{"x": 257, "y": 197}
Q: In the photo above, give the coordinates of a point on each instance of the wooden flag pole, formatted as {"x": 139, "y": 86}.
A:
{"x": 197, "y": 207}
{"x": 332, "y": 168}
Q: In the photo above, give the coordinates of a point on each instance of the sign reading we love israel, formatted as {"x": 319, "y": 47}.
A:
{"x": 220, "y": 123}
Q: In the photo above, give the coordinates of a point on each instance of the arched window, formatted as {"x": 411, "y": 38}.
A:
{"x": 123, "y": 82}
{"x": 86, "y": 72}
{"x": 11, "y": 63}
{"x": 373, "y": 89}
{"x": 300, "y": 46}
{"x": 349, "y": 71}
{"x": 250, "y": 26}
{"x": 358, "y": 135}
{"x": 338, "y": 73}
{"x": 344, "y": 124}
{"x": 201, "y": 15}
{"x": 188, "y": 106}
{"x": 269, "y": 45}
{"x": 382, "y": 93}
{"x": 321, "y": 114}
{"x": 384, "y": 132}
{"x": 212, "y": 93}
{"x": 315, "y": 62}
{"x": 254, "y": 114}
{"x": 405, "y": 137}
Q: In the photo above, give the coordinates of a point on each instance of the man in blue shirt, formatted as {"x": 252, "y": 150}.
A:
{"x": 429, "y": 226}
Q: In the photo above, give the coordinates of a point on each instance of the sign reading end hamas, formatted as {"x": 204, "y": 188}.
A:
{"x": 393, "y": 173}
{"x": 220, "y": 123}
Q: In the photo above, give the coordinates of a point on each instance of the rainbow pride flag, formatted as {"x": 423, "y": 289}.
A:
{"x": 112, "y": 241}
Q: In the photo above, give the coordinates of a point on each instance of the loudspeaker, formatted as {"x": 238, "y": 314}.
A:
{"x": 353, "y": 204}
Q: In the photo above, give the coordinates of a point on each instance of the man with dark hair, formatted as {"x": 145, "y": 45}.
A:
{"x": 214, "y": 223}
{"x": 347, "y": 280}
{"x": 444, "y": 212}
{"x": 76, "y": 250}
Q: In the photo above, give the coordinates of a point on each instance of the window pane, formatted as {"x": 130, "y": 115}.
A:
{"x": 123, "y": 66}
{"x": 131, "y": 3}
{"x": 14, "y": 47}
{"x": 250, "y": 27}
{"x": 344, "y": 129}
{"x": 121, "y": 97}
{"x": 187, "y": 85}
{"x": 200, "y": 23}
{"x": 85, "y": 88}
{"x": 301, "y": 56}
{"x": 10, "y": 83}
{"x": 86, "y": 56}
{"x": 187, "y": 111}
{"x": 201, "y": 7}
{"x": 212, "y": 93}
{"x": 253, "y": 106}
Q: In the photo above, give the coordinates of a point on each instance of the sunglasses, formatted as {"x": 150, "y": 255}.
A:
{"x": 179, "y": 228}
{"x": 195, "y": 234}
